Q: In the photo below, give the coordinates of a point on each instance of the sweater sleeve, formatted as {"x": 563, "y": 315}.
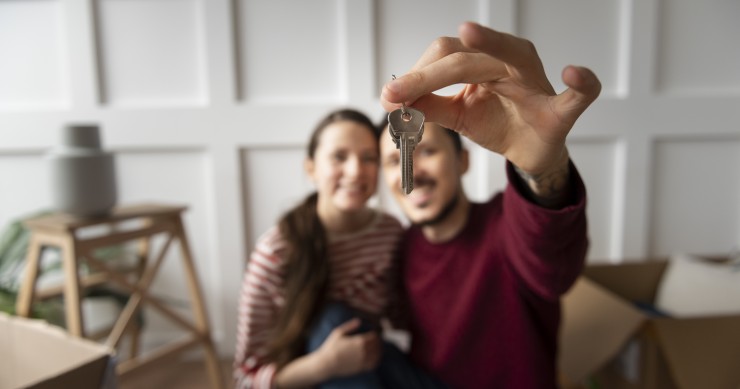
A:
{"x": 258, "y": 304}
{"x": 547, "y": 247}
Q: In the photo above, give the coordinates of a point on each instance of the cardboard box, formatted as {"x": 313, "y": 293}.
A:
{"x": 37, "y": 355}
{"x": 607, "y": 341}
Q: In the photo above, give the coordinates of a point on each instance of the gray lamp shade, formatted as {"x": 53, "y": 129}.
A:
{"x": 83, "y": 175}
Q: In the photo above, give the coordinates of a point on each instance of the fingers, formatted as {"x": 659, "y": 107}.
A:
{"x": 439, "y": 49}
{"x": 505, "y": 47}
{"x": 520, "y": 56}
{"x": 454, "y": 68}
{"x": 583, "y": 88}
{"x": 347, "y": 327}
{"x": 480, "y": 55}
{"x": 443, "y": 110}
{"x": 372, "y": 350}
{"x": 582, "y": 81}
{"x": 364, "y": 348}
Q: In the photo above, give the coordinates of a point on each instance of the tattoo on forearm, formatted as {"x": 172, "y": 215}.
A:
{"x": 549, "y": 189}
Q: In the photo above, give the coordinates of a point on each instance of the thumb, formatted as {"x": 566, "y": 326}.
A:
{"x": 348, "y": 326}
{"x": 583, "y": 88}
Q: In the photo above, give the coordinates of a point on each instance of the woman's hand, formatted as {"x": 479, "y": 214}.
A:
{"x": 344, "y": 353}
{"x": 507, "y": 105}
{"x": 341, "y": 354}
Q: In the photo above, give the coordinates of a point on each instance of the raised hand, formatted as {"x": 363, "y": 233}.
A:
{"x": 507, "y": 105}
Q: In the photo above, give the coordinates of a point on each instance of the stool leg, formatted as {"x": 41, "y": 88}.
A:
{"x": 72, "y": 287}
{"x": 28, "y": 288}
{"x": 144, "y": 245}
{"x": 135, "y": 334}
{"x": 199, "y": 311}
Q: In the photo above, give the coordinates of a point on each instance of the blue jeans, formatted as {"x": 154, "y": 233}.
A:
{"x": 393, "y": 371}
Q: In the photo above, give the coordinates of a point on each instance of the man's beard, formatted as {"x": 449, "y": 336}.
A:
{"x": 442, "y": 215}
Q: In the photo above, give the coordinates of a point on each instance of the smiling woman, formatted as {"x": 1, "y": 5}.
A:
{"x": 344, "y": 167}
{"x": 318, "y": 283}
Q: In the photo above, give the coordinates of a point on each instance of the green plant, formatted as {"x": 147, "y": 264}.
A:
{"x": 13, "y": 247}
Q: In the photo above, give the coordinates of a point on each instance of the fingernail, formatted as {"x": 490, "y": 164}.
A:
{"x": 393, "y": 86}
{"x": 578, "y": 71}
{"x": 384, "y": 93}
{"x": 390, "y": 92}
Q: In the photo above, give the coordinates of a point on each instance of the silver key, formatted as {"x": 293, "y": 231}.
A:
{"x": 406, "y": 126}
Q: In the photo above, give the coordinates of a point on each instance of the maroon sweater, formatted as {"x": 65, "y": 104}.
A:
{"x": 485, "y": 306}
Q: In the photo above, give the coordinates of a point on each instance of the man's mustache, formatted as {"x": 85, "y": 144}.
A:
{"x": 423, "y": 180}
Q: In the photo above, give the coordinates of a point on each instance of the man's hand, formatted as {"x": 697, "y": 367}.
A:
{"x": 507, "y": 105}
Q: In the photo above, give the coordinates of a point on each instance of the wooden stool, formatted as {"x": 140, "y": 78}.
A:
{"x": 61, "y": 230}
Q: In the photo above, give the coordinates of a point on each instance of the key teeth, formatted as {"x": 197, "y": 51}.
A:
{"x": 407, "y": 188}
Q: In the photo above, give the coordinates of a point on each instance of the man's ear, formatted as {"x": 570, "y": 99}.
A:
{"x": 464, "y": 158}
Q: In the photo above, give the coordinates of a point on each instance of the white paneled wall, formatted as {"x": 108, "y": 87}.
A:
{"x": 695, "y": 201}
{"x": 289, "y": 51}
{"x": 600, "y": 167}
{"x": 160, "y": 62}
{"x": 696, "y": 55}
{"x": 593, "y": 25}
{"x": 406, "y": 28}
{"x": 287, "y": 185}
{"x": 210, "y": 102}
{"x": 33, "y": 72}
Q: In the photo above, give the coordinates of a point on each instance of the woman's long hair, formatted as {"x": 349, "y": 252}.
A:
{"x": 306, "y": 260}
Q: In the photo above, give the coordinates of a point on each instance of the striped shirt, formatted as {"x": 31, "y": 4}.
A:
{"x": 360, "y": 262}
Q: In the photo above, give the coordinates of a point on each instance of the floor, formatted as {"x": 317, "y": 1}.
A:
{"x": 178, "y": 374}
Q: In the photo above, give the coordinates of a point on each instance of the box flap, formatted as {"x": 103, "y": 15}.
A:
{"x": 596, "y": 324}
{"x": 701, "y": 352}
{"x": 38, "y": 355}
{"x": 5, "y": 368}
{"x": 633, "y": 281}
{"x": 696, "y": 287}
